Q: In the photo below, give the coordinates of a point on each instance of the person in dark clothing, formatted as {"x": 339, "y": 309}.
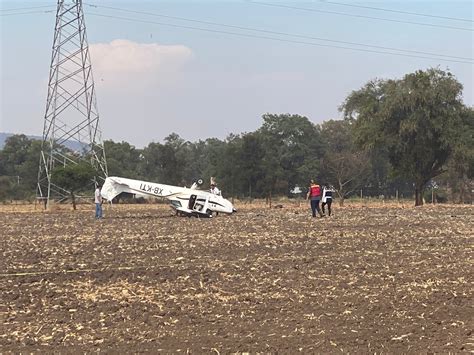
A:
{"x": 327, "y": 199}
{"x": 314, "y": 195}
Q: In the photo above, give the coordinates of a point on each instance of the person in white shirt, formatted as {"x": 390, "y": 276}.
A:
{"x": 327, "y": 198}
{"x": 214, "y": 190}
{"x": 98, "y": 202}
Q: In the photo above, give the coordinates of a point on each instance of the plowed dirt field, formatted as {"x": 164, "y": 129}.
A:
{"x": 369, "y": 279}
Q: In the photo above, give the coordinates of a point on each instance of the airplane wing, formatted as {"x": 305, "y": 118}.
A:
{"x": 113, "y": 188}
{"x": 114, "y": 185}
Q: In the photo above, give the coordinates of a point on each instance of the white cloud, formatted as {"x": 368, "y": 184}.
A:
{"x": 121, "y": 61}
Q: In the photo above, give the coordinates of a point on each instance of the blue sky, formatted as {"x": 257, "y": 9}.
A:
{"x": 155, "y": 79}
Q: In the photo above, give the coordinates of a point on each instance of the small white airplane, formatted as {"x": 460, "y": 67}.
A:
{"x": 186, "y": 201}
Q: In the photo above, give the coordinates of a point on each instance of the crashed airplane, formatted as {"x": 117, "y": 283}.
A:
{"x": 186, "y": 201}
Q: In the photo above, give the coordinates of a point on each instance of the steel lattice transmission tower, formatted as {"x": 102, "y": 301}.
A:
{"x": 71, "y": 118}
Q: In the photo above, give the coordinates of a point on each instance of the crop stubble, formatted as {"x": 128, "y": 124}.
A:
{"x": 368, "y": 279}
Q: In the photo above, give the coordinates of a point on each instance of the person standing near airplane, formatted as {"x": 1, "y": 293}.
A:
{"x": 214, "y": 190}
{"x": 98, "y": 202}
{"x": 314, "y": 195}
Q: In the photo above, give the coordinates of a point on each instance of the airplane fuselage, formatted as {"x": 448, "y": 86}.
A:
{"x": 179, "y": 197}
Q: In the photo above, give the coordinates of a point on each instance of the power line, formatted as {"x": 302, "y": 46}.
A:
{"x": 275, "y": 38}
{"x": 279, "y": 33}
{"x": 359, "y": 16}
{"x": 431, "y": 55}
{"x": 28, "y": 13}
{"x": 396, "y": 11}
{"x": 28, "y": 8}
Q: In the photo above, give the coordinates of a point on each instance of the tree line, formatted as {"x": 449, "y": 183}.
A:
{"x": 398, "y": 138}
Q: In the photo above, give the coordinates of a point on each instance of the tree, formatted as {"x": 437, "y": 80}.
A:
{"x": 195, "y": 161}
{"x": 122, "y": 159}
{"x": 346, "y": 168}
{"x": 6, "y": 188}
{"x": 292, "y": 148}
{"x": 416, "y": 119}
{"x": 19, "y": 162}
{"x": 229, "y": 165}
{"x": 15, "y": 153}
{"x": 177, "y": 150}
{"x": 212, "y": 161}
{"x": 165, "y": 163}
{"x": 460, "y": 168}
{"x": 251, "y": 156}
{"x": 74, "y": 177}
{"x": 201, "y": 159}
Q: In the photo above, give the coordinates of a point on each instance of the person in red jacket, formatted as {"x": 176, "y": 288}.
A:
{"x": 314, "y": 195}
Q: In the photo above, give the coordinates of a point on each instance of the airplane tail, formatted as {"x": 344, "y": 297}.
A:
{"x": 111, "y": 189}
